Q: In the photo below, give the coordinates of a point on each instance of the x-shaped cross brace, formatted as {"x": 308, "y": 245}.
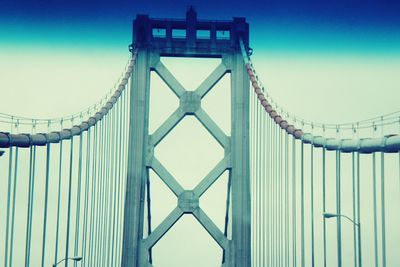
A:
{"x": 188, "y": 200}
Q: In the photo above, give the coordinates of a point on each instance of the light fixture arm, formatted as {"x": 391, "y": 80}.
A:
{"x": 330, "y": 215}
{"x": 341, "y": 215}
{"x": 72, "y": 258}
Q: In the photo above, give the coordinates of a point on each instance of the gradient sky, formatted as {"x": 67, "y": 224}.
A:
{"x": 328, "y": 25}
{"x": 327, "y": 36}
{"x": 330, "y": 61}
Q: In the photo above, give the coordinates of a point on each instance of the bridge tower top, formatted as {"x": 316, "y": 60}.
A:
{"x": 190, "y": 37}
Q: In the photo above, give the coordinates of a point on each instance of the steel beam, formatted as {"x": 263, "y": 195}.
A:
{"x": 136, "y": 178}
{"x": 241, "y": 207}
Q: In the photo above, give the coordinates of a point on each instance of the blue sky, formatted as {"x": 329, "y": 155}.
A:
{"x": 289, "y": 25}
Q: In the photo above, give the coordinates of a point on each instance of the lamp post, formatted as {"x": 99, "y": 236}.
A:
{"x": 332, "y": 215}
{"x": 76, "y": 258}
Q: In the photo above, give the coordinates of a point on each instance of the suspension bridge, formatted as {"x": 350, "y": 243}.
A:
{"x": 298, "y": 193}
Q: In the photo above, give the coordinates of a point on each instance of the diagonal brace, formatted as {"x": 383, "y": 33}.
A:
{"x": 214, "y": 174}
{"x": 212, "y": 127}
{"x": 166, "y": 177}
{"x": 163, "y": 228}
{"x": 169, "y": 79}
{"x": 211, "y": 80}
{"x": 211, "y": 228}
{"x": 167, "y": 126}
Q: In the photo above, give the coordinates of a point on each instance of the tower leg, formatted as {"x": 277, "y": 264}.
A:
{"x": 241, "y": 205}
{"x": 136, "y": 178}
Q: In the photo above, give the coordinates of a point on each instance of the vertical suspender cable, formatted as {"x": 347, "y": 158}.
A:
{"x": 103, "y": 197}
{"x": 115, "y": 179}
{"x": 260, "y": 145}
{"x": 149, "y": 212}
{"x": 86, "y": 200}
{"x": 273, "y": 187}
{"x": 110, "y": 162}
{"x": 32, "y": 169}
{"x": 58, "y": 201}
{"x": 276, "y": 189}
{"x": 272, "y": 195}
{"x": 106, "y": 250}
{"x": 8, "y": 206}
{"x": 354, "y": 208}
{"x": 280, "y": 208}
{"x": 227, "y": 211}
{"x": 338, "y": 210}
{"x": 126, "y": 115}
{"x": 283, "y": 198}
{"x": 255, "y": 184}
{"x": 92, "y": 224}
{"x": 71, "y": 159}
{"x": 100, "y": 182}
{"x": 268, "y": 191}
{"x": 312, "y": 205}
{"x": 294, "y": 217}
{"x": 122, "y": 174}
{"x": 287, "y": 198}
{"x": 252, "y": 178}
{"x": 112, "y": 179}
{"x": 106, "y": 190}
{"x": 96, "y": 187}
{"x": 375, "y": 209}
{"x": 358, "y": 211}
{"x": 303, "y": 262}
{"x": 99, "y": 194}
{"x": 261, "y": 185}
{"x": 119, "y": 202}
{"x": 271, "y": 191}
{"x": 324, "y": 198}
{"x": 266, "y": 146}
{"x": 383, "y": 209}
{"x": 263, "y": 188}
{"x": 258, "y": 182}
{"x": 277, "y": 195}
{"x": 125, "y": 165}
{"x": 78, "y": 199}
{"x": 13, "y": 205}
{"x": 126, "y": 151}
{"x": 46, "y": 196}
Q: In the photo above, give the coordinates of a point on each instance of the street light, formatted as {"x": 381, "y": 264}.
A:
{"x": 331, "y": 215}
{"x": 328, "y": 215}
{"x": 76, "y": 258}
